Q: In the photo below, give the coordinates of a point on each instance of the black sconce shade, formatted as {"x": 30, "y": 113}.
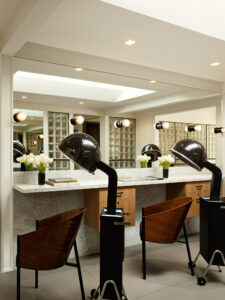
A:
{"x": 161, "y": 125}
{"x": 77, "y": 120}
{"x": 122, "y": 123}
{"x": 219, "y": 130}
{"x": 20, "y": 116}
{"x": 82, "y": 149}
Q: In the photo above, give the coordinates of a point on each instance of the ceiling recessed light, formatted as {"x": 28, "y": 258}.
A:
{"x": 215, "y": 64}
{"x": 152, "y": 81}
{"x": 78, "y": 69}
{"x": 81, "y": 103}
{"x": 130, "y": 42}
{"x": 24, "y": 97}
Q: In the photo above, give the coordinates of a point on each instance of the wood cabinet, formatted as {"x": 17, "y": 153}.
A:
{"x": 195, "y": 190}
{"x": 96, "y": 199}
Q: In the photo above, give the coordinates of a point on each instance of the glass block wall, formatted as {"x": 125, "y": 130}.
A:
{"x": 176, "y": 132}
{"x": 122, "y": 145}
{"x": 58, "y": 128}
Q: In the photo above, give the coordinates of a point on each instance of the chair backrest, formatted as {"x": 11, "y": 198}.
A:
{"x": 163, "y": 221}
{"x": 49, "y": 246}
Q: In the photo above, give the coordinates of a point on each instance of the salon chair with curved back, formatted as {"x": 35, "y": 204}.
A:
{"x": 161, "y": 223}
{"x": 49, "y": 246}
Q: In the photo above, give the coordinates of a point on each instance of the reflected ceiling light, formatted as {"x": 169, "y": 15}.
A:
{"x": 215, "y": 64}
{"x": 41, "y": 136}
{"x": 130, "y": 42}
{"x": 77, "y": 120}
{"x": 161, "y": 125}
{"x": 81, "y": 103}
{"x": 191, "y": 128}
{"x": 24, "y": 97}
{"x": 20, "y": 116}
{"x": 78, "y": 69}
{"x": 152, "y": 81}
{"x": 218, "y": 130}
{"x": 122, "y": 123}
{"x": 34, "y": 142}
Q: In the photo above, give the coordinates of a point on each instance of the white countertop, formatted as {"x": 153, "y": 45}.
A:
{"x": 103, "y": 183}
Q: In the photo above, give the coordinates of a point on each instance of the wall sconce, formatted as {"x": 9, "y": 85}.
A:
{"x": 161, "y": 125}
{"x": 191, "y": 128}
{"x": 20, "y": 116}
{"x": 77, "y": 120}
{"x": 34, "y": 142}
{"x": 218, "y": 130}
{"x": 41, "y": 136}
{"x": 122, "y": 123}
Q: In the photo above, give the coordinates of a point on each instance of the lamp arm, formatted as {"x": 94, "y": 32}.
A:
{"x": 112, "y": 186}
{"x": 216, "y": 181}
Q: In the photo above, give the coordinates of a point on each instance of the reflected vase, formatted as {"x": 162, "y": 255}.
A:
{"x": 143, "y": 164}
{"x": 165, "y": 173}
{"x": 41, "y": 178}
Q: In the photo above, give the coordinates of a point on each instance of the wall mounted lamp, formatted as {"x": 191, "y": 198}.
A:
{"x": 218, "y": 130}
{"x": 77, "y": 120}
{"x": 34, "y": 142}
{"x": 20, "y": 116}
{"x": 40, "y": 136}
{"x": 191, "y": 128}
{"x": 161, "y": 125}
{"x": 122, "y": 123}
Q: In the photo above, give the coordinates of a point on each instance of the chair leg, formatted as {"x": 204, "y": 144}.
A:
{"x": 144, "y": 259}
{"x": 18, "y": 282}
{"x": 36, "y": 279}
{"x": 190, "y": 262}
{"x": 79, "y": 270}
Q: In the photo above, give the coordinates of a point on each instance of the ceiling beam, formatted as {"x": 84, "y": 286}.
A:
{"x": 27, "y": 20}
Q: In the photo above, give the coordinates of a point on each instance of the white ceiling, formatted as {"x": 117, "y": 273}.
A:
{"x": 204, "y": 16}
{"x": 8, "y": 10}
{"x": 98, "y": 28}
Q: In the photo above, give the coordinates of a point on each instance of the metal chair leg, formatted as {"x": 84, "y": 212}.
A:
{"x": 220, "y": 270}
{"x": 144, "y": 259}
{"x": 190, "y": 263}
{"x": 18, "y": 268}
{"x": 18, "y": 282}
{"x": 79, "y": 270}
{"x": 36, "y": 279}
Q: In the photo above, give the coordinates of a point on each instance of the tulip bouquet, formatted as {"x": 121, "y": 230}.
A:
{"x": 165, "y": 161}
{"x": 143, "y": 159}
{"x": 41, "y": 162}
{"x": 27, "y": 160}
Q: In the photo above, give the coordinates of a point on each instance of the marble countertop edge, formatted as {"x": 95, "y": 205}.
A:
{"x": 96, "y": 184}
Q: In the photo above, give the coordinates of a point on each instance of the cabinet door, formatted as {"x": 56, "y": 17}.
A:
{"x": 128, "y": 205}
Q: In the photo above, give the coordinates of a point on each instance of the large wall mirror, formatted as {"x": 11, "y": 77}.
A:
{"x": 50, "y": 95}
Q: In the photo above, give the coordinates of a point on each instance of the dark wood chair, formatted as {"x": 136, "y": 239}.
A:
{"x": 161, "y": 223}
{"x": 49, "y": 246}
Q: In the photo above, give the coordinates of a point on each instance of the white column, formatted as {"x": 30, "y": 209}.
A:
{"x": 104, "y": 138}
{"x": 6, "y": 170}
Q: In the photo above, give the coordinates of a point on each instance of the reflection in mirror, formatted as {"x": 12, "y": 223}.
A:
{"x": 60, "y": 93}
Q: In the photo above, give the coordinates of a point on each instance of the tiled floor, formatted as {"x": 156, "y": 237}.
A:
{"x": 168, "y": 277}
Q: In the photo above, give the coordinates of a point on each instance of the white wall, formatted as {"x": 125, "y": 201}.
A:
{"x": 201, "y": 116}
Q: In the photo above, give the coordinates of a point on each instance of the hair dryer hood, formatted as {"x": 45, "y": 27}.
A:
{"x": 151, "y": 150}
{"x": 191, "y": 152}
{"x": 82, "y": 149}
{"x": 18, "y": 150}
